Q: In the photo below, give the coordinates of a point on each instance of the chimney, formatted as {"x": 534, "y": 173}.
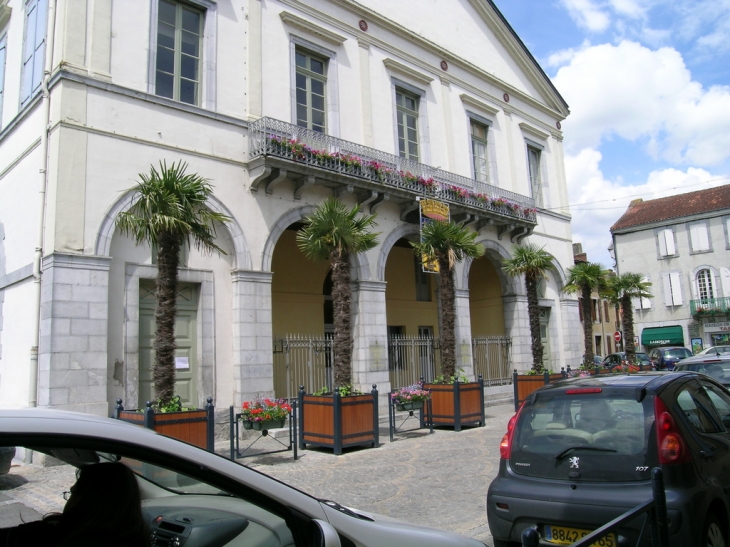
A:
{"x": 635, "y": 202}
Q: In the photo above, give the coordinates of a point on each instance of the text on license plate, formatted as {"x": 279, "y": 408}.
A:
{"x": 566, "y": 536}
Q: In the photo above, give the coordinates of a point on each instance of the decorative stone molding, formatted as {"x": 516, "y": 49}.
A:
{"x": 311, "y": 28}
{"x": 468, "y": 100}
{"x": 534, "y": 131}
{"x": 404, "y": 70}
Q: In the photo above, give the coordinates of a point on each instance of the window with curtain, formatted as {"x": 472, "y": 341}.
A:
{"x": 311, "y": 82}
{"x": 33, "y": 49}
{"x": 407, "y": 117}
{"x": 534, "y": 157}
{"x": 177, "y": 62}
{"x": 480, "y": 163}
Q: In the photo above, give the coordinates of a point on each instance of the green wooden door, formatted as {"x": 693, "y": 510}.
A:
{"x": 186, "y": 360}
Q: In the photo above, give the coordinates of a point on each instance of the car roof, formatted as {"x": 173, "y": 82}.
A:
{"x": 650, "y": 379}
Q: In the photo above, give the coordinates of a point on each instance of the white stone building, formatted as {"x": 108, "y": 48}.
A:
{"x": 94, "y": 92}
{"x": 681, "y": 244}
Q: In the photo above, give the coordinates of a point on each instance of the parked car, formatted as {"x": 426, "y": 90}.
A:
{"x": 666, "y": 358}
{"x": 615, "y": 359}
{"x": 717, "y": 366}
{"x": 715, "y": 350}
{"x": 192, "y": 497}
{"x": 579, "y": 453}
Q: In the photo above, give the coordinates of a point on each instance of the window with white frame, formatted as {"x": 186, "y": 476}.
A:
{"x": 699, "y": 237}
{"x": 665, "y": 238}
{"x": 480, "y": 163}
{"x": 33, "y": 49}
{"x": 177, "y": 61}
{"x": 406, "y": 105}
{"x": 726, "y": 223}
{"x": 705, "y": 284}
{"x": 311, "y": 83}
{"x": 3, "y": 50}
{"x": 642, "y": 303}
{"x": 534, "y": 158}
{"x": 672, "y": 289}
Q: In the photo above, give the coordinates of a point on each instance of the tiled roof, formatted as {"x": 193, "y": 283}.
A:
{"x": 682, "y": 205}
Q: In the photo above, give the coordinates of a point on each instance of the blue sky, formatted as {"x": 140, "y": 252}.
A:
{"x": 648, "y": 85}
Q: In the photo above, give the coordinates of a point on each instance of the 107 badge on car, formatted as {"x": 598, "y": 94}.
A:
{"x": 565, "y": 536}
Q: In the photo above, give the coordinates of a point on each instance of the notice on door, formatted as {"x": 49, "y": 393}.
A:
{"x": 182, "y": 363}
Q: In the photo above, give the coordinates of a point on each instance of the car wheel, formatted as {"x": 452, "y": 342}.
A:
{"x": 503, "y": 543}
{"x": 713, "y": 534}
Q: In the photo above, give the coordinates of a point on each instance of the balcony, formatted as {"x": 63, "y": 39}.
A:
{"x": 279, "y": 151}
{"x": 710, "y": 307}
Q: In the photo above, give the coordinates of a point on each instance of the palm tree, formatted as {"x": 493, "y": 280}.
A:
{"x": 533, "y": 262}
{"x": 447, "y": 243}
{"x": 629, "y": 286}
{"x": 168, "y": 211}
{"x": 334, "y": 233}
{"x": 584, "y": 278}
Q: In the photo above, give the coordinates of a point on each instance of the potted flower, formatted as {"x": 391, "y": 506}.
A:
{"x": 264, "y": 414}
{"x": 410, "y": 397}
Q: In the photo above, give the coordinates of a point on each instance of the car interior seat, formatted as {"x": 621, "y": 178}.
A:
{"x": 594, "y": 416}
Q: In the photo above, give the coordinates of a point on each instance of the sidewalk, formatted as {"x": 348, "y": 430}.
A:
{"x": 438, "y": 480}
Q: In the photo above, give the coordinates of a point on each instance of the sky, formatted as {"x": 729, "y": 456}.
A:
{"x": 648, "y": 86}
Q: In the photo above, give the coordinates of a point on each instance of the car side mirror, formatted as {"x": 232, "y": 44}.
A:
{"x": 325, "y": 534}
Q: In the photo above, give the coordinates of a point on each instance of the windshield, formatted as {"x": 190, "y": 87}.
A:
{"x": 642, "y": 356}
{"x": 679, "y": 353}
{"x": 585, "y": 436}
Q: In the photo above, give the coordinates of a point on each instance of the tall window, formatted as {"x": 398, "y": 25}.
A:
{"x": 533, "y": 161}
{"x": 177, "y": 68}
{"x": 705, "y": 288}
{"x": 3, "y": 48}
{"x": 311, "y": 84}
{"x": 33, "y": 48}
{"x": 407, "y": 113}
{"x": 672, "y": 289}
{"x": 666, "y": 242}
{"x": 479, "y": 151}
{"x": 699, "y": 238}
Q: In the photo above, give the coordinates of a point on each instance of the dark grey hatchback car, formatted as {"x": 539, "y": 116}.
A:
{"x": 580, "y": 451}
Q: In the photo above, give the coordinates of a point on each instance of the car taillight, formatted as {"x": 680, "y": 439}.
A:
{"x": 670, "y": 444}
{"x": 505, "y": 447}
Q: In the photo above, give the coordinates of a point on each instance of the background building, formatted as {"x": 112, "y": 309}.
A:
{"x": 682, "y": 246}
{"x": 394, "y": 100}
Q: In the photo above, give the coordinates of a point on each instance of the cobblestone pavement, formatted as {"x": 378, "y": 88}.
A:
{"x": 438, "y": 480}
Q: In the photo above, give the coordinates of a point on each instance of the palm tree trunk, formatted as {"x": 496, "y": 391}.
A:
{"x": 586, "y": 304}
{"x": 341, "y": 296}
{"x": 448, "y": 319}
{"x": 533, "y": 311}
{"x": 629, "y": 346}
{"x": 168, "y": 250}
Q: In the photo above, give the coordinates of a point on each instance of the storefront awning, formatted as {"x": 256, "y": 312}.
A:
{"x": 662, "y": 336}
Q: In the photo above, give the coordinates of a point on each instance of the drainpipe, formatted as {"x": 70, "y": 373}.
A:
{"x": 43, "y": 180}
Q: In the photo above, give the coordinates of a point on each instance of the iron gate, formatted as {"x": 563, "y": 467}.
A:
{"x": 491, "y": 356}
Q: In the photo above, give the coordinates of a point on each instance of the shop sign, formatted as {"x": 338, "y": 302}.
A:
{"x": 430, "y": 211}
{"x": 721, "y": 326}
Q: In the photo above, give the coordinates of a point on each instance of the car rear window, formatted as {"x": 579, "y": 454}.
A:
{"x": 585, "y": 436}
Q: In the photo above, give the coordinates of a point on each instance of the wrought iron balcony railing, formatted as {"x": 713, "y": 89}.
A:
{"x": 710, "y": 306}
{"x": 354, "y": 164}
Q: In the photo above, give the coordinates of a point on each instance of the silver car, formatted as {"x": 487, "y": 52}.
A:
{"x": 716, "y": 366}
{"x": 179, "y": 479}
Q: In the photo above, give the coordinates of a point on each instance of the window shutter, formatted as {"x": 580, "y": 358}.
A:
{"x": 713, "y": 291}
{"x": 694, "y": 237}
{"x": 667, "y": 285}
{"x": 725, "y": 281}
{"x": 675, "y": 282}
{"x": 704, "y": 237}
{"x": 669, "y": 235}
{"x": 605, "y": 310}
{"x": 593, "y": 310}
{"x": 645, "y": 302}
{"x": 662, "y": 243}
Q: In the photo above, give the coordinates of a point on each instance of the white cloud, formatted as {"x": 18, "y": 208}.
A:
{"x": 586, "y": 14}
{"x": 644, "y": 95}
{"x": 597, "y": 203}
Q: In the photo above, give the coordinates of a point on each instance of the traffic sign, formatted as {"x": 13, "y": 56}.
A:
{"x": 617, "y": 336}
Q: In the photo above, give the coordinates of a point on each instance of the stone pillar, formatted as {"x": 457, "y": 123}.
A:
{"x": 253, "y": 358}
{"x": 573, "y": 339}
{"x": 517, "y": 327}
{"x": 370, "y": 333}
{"x": 464, "y": 359}
{"x": 73, "y": 345}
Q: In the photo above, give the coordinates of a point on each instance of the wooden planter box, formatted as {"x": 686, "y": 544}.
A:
{"x": 196, "y": 427}
{"x": 525, "y": 384}
{"x": 455, "y": 405}
{"x": 338, "y": 422}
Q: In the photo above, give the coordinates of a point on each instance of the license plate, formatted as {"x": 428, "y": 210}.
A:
{"x": 565, "y": 536}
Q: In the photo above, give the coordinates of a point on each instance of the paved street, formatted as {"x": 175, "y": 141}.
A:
{"x": 439, "y": 480}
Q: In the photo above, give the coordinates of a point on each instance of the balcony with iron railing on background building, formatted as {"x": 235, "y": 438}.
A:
{"x": 710, "y": 307}
{"x": 280, "y": 151}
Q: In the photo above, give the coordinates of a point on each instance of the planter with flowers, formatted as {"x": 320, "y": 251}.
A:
{"x": 264, "y": 414}
{"x": 410, "y": 398}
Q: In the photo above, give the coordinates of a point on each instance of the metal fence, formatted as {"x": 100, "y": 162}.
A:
{"x": 492, "y": 359}
{"x": 307, "y": 360}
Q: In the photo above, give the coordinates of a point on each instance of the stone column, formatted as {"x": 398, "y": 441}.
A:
{"x": 370, "y": 333}
{"x": 253, "y": 358}
{"x": 517, "y": 327}
{"x": 464, "y": 359}
{"x": 73, "y": 345}
{"x": 573, "y": 342}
